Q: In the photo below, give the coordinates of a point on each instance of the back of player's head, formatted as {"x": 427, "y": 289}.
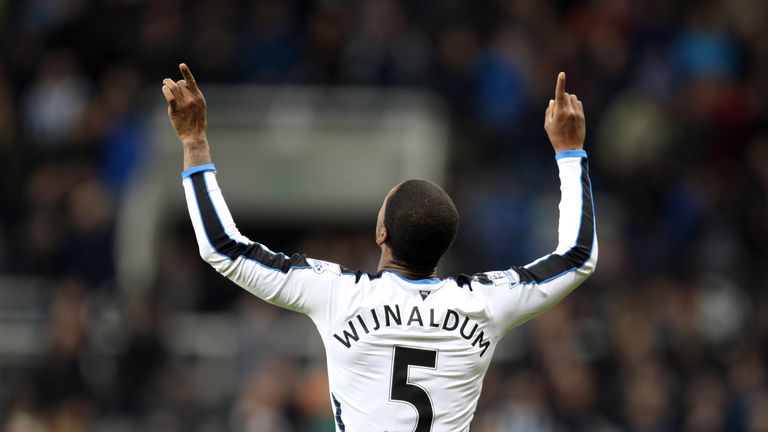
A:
{"x": 421, "y": 222}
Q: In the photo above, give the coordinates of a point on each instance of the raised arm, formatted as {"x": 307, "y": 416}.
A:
{"x": 537, "y": 286}
{"x": 274, "y": 277}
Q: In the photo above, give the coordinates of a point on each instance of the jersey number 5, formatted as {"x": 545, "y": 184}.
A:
{"x": 404, "y": 391}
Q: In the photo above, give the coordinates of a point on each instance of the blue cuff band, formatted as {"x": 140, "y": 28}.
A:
{"x": 196, "y": 169}
{"x": 570, "y": 153}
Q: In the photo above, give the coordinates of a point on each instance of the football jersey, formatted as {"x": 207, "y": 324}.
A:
{"x": 403, "y": 355}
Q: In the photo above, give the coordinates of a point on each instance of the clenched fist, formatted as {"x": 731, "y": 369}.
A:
{"x": 186, "y": 107}
{"x": 564, "y": 119}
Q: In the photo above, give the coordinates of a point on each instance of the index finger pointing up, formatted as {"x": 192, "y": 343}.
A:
{"x": 191, "y": 84}
{"x": 560, "y": 89}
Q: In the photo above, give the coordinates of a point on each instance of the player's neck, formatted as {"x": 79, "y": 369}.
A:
{"x": 410, "y": 274}
{"x": 388, "y": 263}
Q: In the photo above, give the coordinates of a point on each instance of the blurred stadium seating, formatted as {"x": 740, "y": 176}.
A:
{"x": 669, "y": 335}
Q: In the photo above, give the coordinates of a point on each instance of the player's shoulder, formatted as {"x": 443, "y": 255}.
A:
{"x": 320, "y": 267}
{"x": 331, "y": 269}
{"x": 488, "y": 279}
{"x": 326, "y": 269}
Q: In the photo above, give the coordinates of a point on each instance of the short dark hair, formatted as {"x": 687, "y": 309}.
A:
{"x": 421, "y": 222}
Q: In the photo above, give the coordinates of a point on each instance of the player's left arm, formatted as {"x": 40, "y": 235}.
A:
{"x": 523, "y": 292}
{"x": 293, "y": 282}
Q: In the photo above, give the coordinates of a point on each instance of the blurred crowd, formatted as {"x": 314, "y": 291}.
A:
{"x": 671, "y": 334}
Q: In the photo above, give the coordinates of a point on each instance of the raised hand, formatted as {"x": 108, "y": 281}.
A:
{"x": 564, "y": 119}
{"x": 186, "y": 106}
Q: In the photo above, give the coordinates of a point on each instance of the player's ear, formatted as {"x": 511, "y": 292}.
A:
{"x": 381, "y": 236}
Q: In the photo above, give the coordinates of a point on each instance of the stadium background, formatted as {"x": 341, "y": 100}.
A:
{"x": 670, "y": 334}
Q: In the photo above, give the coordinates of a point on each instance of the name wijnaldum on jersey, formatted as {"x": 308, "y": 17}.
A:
{"x": 389, "y": 315}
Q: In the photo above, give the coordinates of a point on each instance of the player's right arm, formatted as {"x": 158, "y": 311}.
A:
{"x": 289, "y": 282}
{"x": 534, "y": 288}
